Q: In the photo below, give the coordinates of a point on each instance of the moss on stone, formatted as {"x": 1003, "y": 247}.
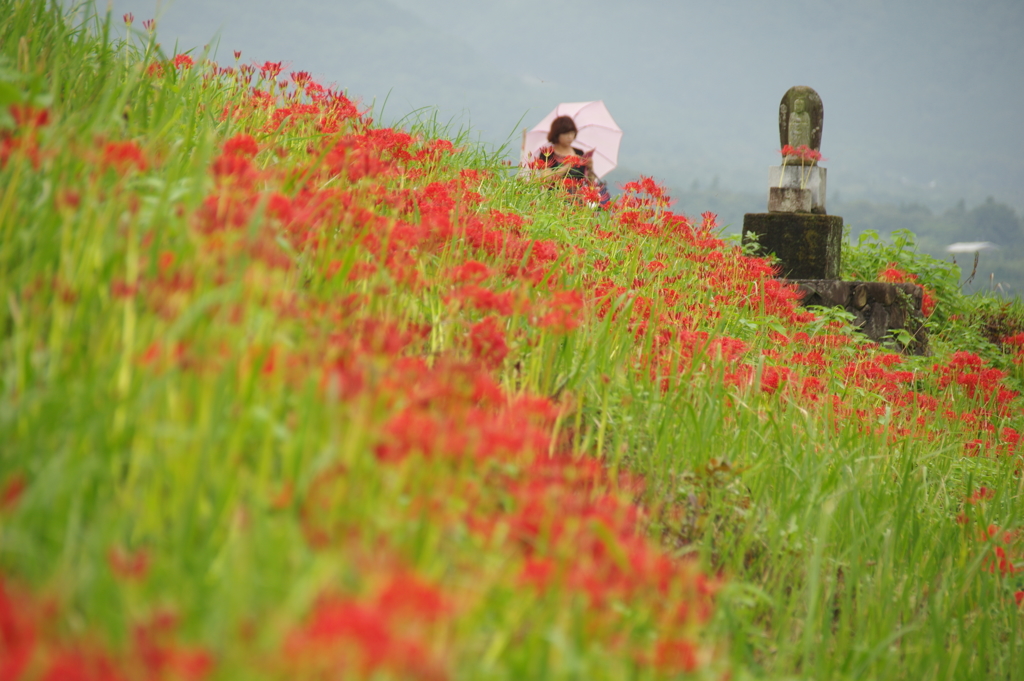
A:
{"x": 808, "y": 246}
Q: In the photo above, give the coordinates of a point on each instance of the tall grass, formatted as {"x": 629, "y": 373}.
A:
{"x": 289, "y": 396}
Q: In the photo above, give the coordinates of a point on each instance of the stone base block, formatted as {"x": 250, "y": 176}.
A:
{"x": 808, "y": 246}
{"x": 881, "y": 310}
{"x": 811, "y": 178}
{"x": 789, "y": 200}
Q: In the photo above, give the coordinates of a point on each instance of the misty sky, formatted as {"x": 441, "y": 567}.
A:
{"x": 924, "y": 99}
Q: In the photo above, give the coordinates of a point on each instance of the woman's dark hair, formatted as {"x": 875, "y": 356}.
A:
{"x": 560, "y": 126}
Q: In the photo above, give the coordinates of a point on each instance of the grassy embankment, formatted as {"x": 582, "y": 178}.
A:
{"x": 287, "y": 395}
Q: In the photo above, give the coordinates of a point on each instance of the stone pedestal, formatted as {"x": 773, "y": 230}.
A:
{"x": 795, "y": 177}
{"x": 789, "y": 200}
{"x": 808, "y": 246}
{"x": 881, "y": 310}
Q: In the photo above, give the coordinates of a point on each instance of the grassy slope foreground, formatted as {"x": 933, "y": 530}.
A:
{"x": 286, "y": 395}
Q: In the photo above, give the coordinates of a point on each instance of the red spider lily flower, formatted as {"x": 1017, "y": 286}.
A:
{"x": 927, "y": 303}
{"x": 149, "y": 25}
{"x": 411, "y": 432}
{"x": 155, "y": 70}
{"x": 12, "y": 490}
{"x": 563, "y": 312}
{"x": 408, "y": 597}
{"x": 772, "y": 377}
{"x": 537, "y": 572}
{"x": 891, "y": 274}
{"x": 471, "y": 272}
{"x": 165, "y": 261}
{"x": 126, "y": 565}
{"x": 1011, "y": 439}
{"x": 27, "y": 116}
{"x": 18, "y": 635}
{"x": 1016, "y": 340}
{"x": 300, "y": 78}
{"x": 270, "y": 70}
{"x": 676, "y": 656}
{"x": 228, "y": 166}
{"x": 123, "y": 156}
{"x": 238, "y": 54}
{"x": 280, "y": 207}
{"x": 122, "y": 290}
{"x": 316, "y": 91}
{"x": 163, "y": 659}
{"x": 895, "y": 275}
{"x": 1019, "y": 597}
{"x": 484, "y": 300}
{"x": 292, "y": 115}
{"x": 1003, "y": 562}
{"x": 336, "y": 621}
{"x": 339, "y": 108}
{"x": 728, "y": 349}
{"x": 183, "y": 61}
{"x": 487, "y": 342}
{"x": 964, "y": 360}
{"x": 345, "y": 634}
{"x": 434, "y": 150}
{"x": 645, "y": 192}
{"x": 11, "y": 146}
{"x": 802, "y": 152}
{"x": 444, "y": 146}
{"x": 80, "y": 665}
{"x": 586, "y": 194}
{"x": 812, "y": 387}
{"x": 129, "y": 18}
{"x": 241, "y": 145}
{"x": 981, "y": 494}
{"x": 261, "y": 99}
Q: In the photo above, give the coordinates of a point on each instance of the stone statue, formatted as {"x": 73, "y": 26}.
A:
{"x": 800, "y": 119}
{"x": 799, "y": 124}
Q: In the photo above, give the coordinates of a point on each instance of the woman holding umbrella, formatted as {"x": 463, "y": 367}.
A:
{"x": 564, "y": 161}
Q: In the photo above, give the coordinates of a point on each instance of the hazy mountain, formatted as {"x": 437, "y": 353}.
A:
{"x": 924, "y": 99}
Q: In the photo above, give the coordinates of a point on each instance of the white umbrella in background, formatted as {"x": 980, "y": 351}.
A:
{"x": 969, "y": 246}
{"x": 975, "y": 247}
{"x": 595, "y": 129}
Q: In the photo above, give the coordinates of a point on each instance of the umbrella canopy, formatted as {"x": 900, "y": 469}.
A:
{"x": 595, "y": 129}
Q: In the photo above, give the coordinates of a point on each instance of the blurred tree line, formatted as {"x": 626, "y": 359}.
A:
{"x": 1000, "y": 268}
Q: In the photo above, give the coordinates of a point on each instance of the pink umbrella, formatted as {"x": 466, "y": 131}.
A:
{"x": 595, "y": 130}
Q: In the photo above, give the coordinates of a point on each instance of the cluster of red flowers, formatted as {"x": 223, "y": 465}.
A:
{"x": 368, "y": 635}
{"x": 452, "y": 408}
{"x": 1015, "y": 344}
{"x": 802, "y": 153}
{"x": 32, "y": 647}
{"x": 895, "y": 275}
{"x": 23, "y": 140}
{"x": 1004, "y": 548}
